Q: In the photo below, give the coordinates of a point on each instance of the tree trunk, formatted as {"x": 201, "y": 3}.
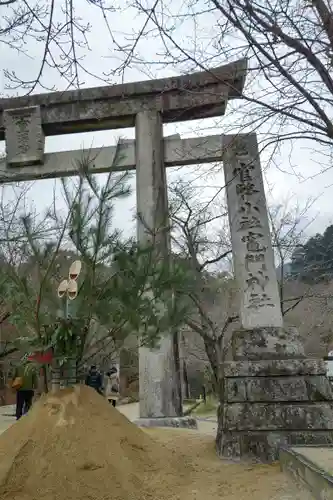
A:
{"x": 186, "y": 384}
{"x": 178, "y": 396}
{"x": 70, "y": 375}
{"x": 213, "y": 357}
{"x": 55, "y": 376}
{"x": 45, "y": 381}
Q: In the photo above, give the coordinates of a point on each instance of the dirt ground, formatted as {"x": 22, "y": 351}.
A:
{"x": 214, "y": 478}
{"x": 225, "y": 480}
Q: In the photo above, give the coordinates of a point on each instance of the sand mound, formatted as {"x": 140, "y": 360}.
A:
{"x": 74, "y": 446}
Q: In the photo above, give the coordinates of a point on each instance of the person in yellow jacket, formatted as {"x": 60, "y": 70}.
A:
{"x": 24, "y": 383}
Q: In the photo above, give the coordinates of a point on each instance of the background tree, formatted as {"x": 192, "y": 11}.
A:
{"x": 313, "y": 261}
{"x": 208, "y": 295}
{"x": 57, "y": 34}
{"x": 288, "y": 45}
{"x": 201, "y": 241}
{"x": 289, "y": 225}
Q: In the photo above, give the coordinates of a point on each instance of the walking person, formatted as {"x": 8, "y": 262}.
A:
{"x": 94, "y": 379}
{"x": 112, "y": 386}
{"x": 24, "y": 383}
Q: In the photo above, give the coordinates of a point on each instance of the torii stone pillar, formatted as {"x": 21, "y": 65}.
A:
{"x": 158, "y": 387}
{"x": 273, "y": 395}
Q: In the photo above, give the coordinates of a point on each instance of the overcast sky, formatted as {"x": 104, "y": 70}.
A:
{"x": 281, "y": 181}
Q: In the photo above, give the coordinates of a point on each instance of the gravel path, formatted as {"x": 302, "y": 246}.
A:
{"x": 207, "y": 426}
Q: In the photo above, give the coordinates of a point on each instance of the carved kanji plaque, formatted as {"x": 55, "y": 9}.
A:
{"x": 24, "y": 136}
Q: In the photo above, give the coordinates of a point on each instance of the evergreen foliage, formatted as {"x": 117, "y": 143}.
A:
{"x": 122, "y": 288}
{"x": 313, "y": 261}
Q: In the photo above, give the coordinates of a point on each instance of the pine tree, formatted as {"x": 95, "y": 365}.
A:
{"x": 122, "y": 288}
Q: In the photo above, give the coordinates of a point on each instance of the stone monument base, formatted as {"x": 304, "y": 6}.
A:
{"x": 270, "y": 403}
{"x": 175, "y": 422}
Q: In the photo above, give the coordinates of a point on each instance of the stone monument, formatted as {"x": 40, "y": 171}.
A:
{"x": 273, "y": 394}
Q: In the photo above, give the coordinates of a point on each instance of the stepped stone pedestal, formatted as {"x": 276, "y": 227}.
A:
{"x": 273, "y": 402}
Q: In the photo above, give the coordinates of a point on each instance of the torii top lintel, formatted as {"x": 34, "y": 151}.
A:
{"x": 188, "y": 97}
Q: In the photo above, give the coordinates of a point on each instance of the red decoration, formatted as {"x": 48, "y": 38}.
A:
{"x": 44, "y": 358}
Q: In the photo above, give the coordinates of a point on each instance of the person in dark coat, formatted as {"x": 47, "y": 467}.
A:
{"x": 24, "y": 390}
{"x": 94, "y": 379}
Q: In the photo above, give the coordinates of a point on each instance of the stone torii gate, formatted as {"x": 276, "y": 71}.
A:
{"x": 25, "y": 121}
{"x": 273, "y": 394}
